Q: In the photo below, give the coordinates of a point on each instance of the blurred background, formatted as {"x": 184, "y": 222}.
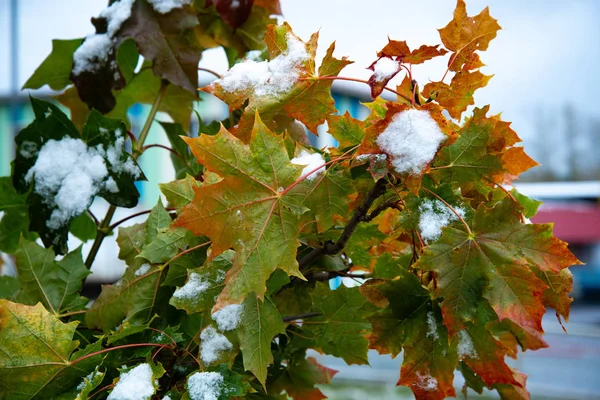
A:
{"x": 545, "y": 66}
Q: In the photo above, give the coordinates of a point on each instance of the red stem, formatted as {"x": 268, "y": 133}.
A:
{"x": 210, "y": 71}
{"x": 117, "y": 348}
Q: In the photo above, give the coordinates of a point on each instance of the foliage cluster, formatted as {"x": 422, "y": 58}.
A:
{"x": 226, "y": 287}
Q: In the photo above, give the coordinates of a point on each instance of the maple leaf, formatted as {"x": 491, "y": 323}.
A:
{"x": 491, "y": 260}
{"x": 348, "y": 131}
{"x": 260, "y": 323}
{"x": 340, "y": 328}
{"x": 249, "y": 210}
{"x": 458, "y": 95}
{"x": 55, "y": 70}
{"x": 234, "y": 14}
{"x": 42, "y": 360}
{"x": 464, "y": 35}
{"x": 293, "y": 80}
{"x": 15, "y": 220}
{"x": 56, "y": 284}
{"x": 400, "y": 50}
{"x": 301, "y": 376}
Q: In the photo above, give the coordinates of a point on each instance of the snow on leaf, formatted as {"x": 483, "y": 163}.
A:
{"x": 312, "y": 162}
{"x": 433, "y": 216}
{"x": 205, "y": 386}
{"x": 137, "y": 383}
{"x": 411, "y": 140}
{"x": 204, "y": 284}
{"x": 228, "y": 318}
{"x": 166, "y": 6}
{"x": 264, "y": 233}
{"x": 287, "y": 77}
{"x": 212, "y": 345}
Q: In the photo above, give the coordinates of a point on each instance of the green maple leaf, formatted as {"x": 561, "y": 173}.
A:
{"x": 249, "y": 210}
{"x": 341, "y": 329}
{"x": 56, "y": 284}
{"x": 85, "y": 387}
{"x": 346, "y": 130}
{"x": 15, "y": 220}
{"x": 55, "y": 70}
{"x": 491, "y": 262}
{"x": 99, "y": 132}
{"x": 41, "y": 363}
{"x": 467, "y": 159}
{"x": 203, "y": 285}
{"x": 260, "y": 323}
{"x": 308, "y": 100}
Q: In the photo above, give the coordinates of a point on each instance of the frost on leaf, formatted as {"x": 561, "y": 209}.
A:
{"x": 433, "y": 216}
{"x": 384, "y": 70}
{"x": 212, "y": 345}
{"x": 205, "y": 386}
{"x": 411, "y": 140}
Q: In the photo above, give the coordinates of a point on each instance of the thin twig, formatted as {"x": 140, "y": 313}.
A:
{"x": 165, "y": 148}
{"x": 210, "y": 71}
{"x": 91, "y": 214}
{"x": 290, "y": 318}
{"x": 113, "y": 226}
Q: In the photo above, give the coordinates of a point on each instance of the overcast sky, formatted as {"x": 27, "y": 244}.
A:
{"x": 546, "y": 55}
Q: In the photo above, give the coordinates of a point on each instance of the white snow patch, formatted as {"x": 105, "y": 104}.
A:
{"x": 267, "y": 78}
{"x": 195, "y": 286}
{"x": 166, "y": 397}
{"x": 135, "y": 384}
{"x": 93, "y": 52}
{"x": 205, "y": 385}
{"x": 465, "y": 346}
{"x": 213, "y": 343}
{"x": 431, "y": 326}
{"x": 411, "y": 140}
{"x": 312, "y": 161}
{"x": 68, "y": 174}
{"x": 366, "y": 157}
{"x": 89, "y": 378}
{"x": 117, "y": 13}
{"x": 385, "y": 68}
{"x": 111, "y": 185}
{"x": 228, "y": 318}
{"x": 165, "y": 6}
{"x": 427, "y": 382}
{"x": 434, "y": 215}
{"x": 142, "y": 269}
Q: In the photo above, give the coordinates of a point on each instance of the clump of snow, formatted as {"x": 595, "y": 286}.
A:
{"x": 135, "y": 384}
{"x": 434, "y": 215}
{"x": 427, "y": 382}
{"x": 165, "y": 6}
{"x": 385, "y": 68}
{"x": 94, "y": 51}
{"x": 312, "y": 161}
{"x": 68, "y": 174}
{"x": 142, "y": 269}
{"x": 117, "y": 13}
{"x": 92, "y": 54}
{"x": 114, "y": 153}
{"x": 205, "y": 385}
{"x": 212, "y": 344}
{"x": 267, "y": 78}
{"x": 228, "y": 318}
{"x": 196, "y": 285}
{"x": 411, "y": 140}
{"x": 167, "y": 397}
{"x": 431, "y": 326}
{"x": 465, "y": 346}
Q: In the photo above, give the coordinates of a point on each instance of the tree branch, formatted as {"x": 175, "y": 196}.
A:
{"x": 358, "y": 216}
